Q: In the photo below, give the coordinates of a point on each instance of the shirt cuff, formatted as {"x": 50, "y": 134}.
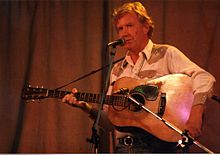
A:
{"x": 200, "y": 98}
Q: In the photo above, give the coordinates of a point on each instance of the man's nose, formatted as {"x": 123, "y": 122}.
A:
{"x": 124, "y": 33}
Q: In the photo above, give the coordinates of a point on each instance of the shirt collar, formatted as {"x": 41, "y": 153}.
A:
{"x": 146, "y": 51}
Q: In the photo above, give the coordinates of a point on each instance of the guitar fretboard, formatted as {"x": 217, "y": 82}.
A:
{"x": 38, "y": 93}
{"x": 96, "y": 98}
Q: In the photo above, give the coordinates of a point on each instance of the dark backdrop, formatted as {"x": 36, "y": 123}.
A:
{"x": 49, "y": 43}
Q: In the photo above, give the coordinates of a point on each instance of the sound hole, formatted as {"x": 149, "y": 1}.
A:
{"x": 133, "y": 106}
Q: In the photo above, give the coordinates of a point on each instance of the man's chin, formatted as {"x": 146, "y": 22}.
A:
{"x": 127, "y": 46}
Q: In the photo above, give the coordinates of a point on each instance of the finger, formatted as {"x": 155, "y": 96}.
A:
{"x": 64, "y": 99}
{"x": 195, "y": 133}
{"x": 67, "y": 98}
{"x": 74, "y": 90}
{"x": 72, "y": 100}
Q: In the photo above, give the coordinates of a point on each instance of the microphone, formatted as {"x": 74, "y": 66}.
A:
{"x": 117, "y": 42}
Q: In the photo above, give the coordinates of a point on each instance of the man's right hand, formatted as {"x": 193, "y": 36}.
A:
{"x": 71, "y": 100}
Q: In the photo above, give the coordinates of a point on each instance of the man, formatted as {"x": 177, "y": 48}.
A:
{"x": 146, "y": 60}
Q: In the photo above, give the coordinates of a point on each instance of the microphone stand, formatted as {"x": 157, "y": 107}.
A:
{"x": 184, "y": 134}
{"x": 216, "y": 98}
{"x": 95, "y": 137}
{"x": 91, "y": 73}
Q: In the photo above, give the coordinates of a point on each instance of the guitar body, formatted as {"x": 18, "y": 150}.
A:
{"x": 179, "y": 98}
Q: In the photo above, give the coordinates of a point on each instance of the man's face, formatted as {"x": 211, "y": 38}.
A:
{"x": 134, "y": 33}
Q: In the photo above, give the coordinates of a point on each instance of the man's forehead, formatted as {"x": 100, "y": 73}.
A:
{"x": 127, "y": 17}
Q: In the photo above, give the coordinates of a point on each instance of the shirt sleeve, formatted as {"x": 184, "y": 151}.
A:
{"x": 202, "y": 81}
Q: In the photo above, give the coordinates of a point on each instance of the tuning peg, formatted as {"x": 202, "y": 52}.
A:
{"x": 33, "y": 101}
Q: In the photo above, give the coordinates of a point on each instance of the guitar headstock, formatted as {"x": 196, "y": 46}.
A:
{"x": 31, "y": 93}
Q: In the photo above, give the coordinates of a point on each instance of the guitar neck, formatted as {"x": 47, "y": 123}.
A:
{"x": 89, "y": 97}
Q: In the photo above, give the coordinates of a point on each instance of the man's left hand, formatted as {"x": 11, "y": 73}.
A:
{"x": 194, "y": 123}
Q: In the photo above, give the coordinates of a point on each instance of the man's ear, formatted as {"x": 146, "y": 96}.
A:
{"x": 145, "y": 28}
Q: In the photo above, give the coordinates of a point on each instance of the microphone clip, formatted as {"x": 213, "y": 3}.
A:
{"x": 186, "y": 141}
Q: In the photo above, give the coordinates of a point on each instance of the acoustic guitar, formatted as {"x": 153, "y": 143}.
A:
{"x": 170, "y": 97}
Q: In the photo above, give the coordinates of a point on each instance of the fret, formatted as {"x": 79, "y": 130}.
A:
{"x": 116, "y": 101}
{"x": 86, "y": 97}
{"x": 89, "y": 96}
{"x": 97, "y": 98}
{"x": 94, "y": 98}
{"x": 77, "y": 96}
{"x": 47, "y": 93}
{"x": 122, "y": 101}
{"x": 82, "y": 96}
{"x": 110, "y": 102}
{"x": 110, "y": 99}
{"x": 126, "y": 102}
{"x": 119, "y": 100}
{"x": 107, "y": 99}
{"x": 59, "y": 95}
{"x": 56, "y": 94}
{"x": 50, "y": 93}
{"x": 63, "y": 93}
